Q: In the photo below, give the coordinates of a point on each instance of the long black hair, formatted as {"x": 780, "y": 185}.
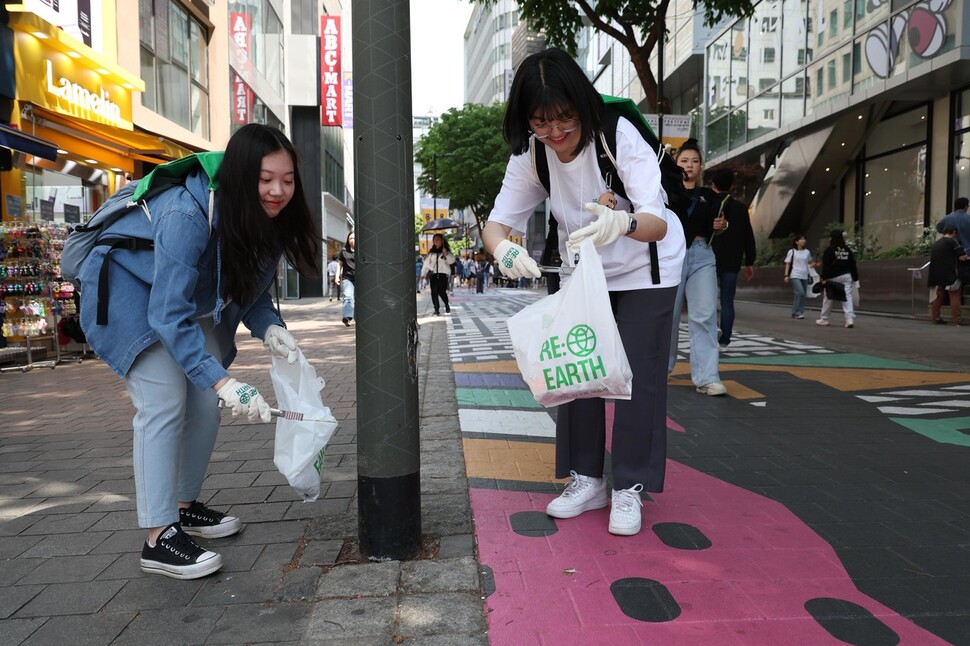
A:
{"x": 445, "y": 248}
{"x": 546, "y": 84}
{"x": 251, "y": 241}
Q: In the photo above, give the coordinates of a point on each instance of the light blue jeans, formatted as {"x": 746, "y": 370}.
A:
{"x": 347, "y": 291}
{"x": 175, "y": 427}
{"x": 799, "y": 287}
{"x": 698, "y": 284}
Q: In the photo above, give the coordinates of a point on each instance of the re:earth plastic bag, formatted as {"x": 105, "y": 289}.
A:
{"x": 298, "y": 452}
{"x": 567, "y": 345}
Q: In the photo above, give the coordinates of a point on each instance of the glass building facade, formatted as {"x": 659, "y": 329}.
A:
{"x": 880, "y": 87}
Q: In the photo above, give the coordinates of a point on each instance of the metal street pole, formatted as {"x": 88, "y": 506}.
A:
{"x": 388, "y": 458}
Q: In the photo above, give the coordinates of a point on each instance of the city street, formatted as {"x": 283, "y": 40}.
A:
{"x": 825, "y": 499}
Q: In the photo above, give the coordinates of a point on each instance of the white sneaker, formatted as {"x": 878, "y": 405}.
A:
{"x": 582, "y": 494}
{"x": 625, "y": 514}
{"x": 822, "y": 322}
{"x": 714, "y": 389}
{"x": 849, "y": 323}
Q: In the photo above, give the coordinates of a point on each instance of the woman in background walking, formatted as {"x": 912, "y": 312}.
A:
{"x": 796, "y": 273}
{"x": 345, "y": 278}
{"x": 437, "y": 267}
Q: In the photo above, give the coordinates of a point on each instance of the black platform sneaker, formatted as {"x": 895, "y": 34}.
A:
{"x": 176, "y": 555}
{"x": 199, "y": 520}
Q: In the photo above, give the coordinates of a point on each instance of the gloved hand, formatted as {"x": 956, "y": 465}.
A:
{"x": 244, "y": 399}
{"x": 280, "y": 342}
{"x": 606, "y": 228}
{"x": 514, "y": 261}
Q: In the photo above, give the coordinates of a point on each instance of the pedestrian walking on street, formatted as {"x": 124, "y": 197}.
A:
{"x": 838, "y": 273}
{"x": 797, "y": 262}
{"x": 438, "y": 267}
{"x": 346, "y": 273}
{"x": 418, "y": 274}
{"x": 960, "y": 219}
{"x": 332, "y": 288}
{"x": 172, "y": 317}
{"x": 482, "y": 272}
{"x": 698, "y": 279}
{"x": 944, "y": 258}
{"x": 733, "y": 247}
{"x": 553, "y": 102}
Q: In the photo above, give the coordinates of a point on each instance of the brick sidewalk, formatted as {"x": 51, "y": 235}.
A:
{"x": 69, "y": 541}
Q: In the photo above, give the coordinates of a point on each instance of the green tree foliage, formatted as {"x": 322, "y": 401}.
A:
{"x": 471, "y": 175}
{"x": 634, "y": 24}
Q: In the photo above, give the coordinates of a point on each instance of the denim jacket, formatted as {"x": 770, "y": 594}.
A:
{"x": 158, "y": 295}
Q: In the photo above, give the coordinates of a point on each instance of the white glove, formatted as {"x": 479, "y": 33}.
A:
{"x": 242, "y": 398}
{"x": 608, "y": 226}
{"x": 514, "y": 261}
{"x": 280, "y": 342}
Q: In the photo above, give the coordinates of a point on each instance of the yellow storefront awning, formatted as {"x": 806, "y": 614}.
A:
{"x": 136, "y": 145}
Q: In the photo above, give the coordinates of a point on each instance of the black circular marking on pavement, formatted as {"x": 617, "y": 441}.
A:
{"x": 488, "y": 580}
{"x": 681, "y": 536}
{"x": 533, "y": 524}
{"x": 850, "y": 622}
{"x": 645, "y": 600}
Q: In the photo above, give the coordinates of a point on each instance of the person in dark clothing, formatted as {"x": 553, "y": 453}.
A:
{"x": 838, "y": 272}
{"x": 960, "y": 220}
{"x": 345, "y": 278}
{"x": 944, "y": 256}
{"x": 734, "y": 244}
{"x": 698, "y": 278}
{"x": 438, "y": 267}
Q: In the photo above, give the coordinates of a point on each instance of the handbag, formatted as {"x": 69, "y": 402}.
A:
{"x": 567, "y": 345}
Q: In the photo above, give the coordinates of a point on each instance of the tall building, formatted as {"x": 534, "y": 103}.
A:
{"x": 488, "y": 52}
{"x": 853, "y": 112}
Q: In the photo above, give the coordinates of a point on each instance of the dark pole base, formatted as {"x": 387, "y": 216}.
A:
{"x": 389, "y": 521}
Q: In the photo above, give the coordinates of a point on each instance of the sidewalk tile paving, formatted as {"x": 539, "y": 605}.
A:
{"x": 824, "y": 500}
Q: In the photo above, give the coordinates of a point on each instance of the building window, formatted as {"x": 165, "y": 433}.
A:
{"x": 961, "y": 146}
{"x": 768, "y": 55}
{"x": 174, "y": 65}
{"x": 894, "y": 195}
{"x": 769, "y": 115}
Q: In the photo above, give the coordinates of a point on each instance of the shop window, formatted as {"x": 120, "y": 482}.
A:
{"x": 961, "y": 166}
{"x": 900, "y": 131}
{"x": 894, "y": 196}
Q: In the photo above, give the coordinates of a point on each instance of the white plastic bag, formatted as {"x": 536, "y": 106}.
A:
{"x": 813, "y": 278}
{"x": 298, "y": 453}
{"x": 567, "y": 345}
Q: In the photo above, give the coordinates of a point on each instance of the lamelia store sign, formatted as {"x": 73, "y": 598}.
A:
{"x": 64, "y": 86}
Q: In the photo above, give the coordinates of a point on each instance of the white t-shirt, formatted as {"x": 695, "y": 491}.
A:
{"x": 332, "y": 268}
{"x": 626, "y": 262}
{"x": 798, "y": 259}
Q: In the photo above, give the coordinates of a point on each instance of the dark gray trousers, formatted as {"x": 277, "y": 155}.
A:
{"x": 639, "y": 453}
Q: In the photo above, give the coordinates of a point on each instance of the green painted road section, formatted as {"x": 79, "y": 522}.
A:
{"x": 495, "y": 398}
{"x": 945, "y": 431}
{"x": 834, "y": 360}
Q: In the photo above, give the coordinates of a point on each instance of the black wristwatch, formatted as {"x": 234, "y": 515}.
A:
{"x": 633, "y": 226}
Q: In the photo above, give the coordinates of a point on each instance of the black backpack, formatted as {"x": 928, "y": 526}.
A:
{"x": 671, "y": 175}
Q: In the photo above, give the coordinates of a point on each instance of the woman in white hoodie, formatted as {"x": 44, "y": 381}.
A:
{"x": 437, "y": 267}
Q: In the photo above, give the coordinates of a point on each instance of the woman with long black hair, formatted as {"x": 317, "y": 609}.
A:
{"x": 346, "y": 275}
{"x": 437, "y": 267}
{"x": 172, "y": 315}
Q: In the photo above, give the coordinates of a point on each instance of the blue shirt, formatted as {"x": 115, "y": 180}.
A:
{"x": 158, "y": 295}
{"x": 961, "y": 220}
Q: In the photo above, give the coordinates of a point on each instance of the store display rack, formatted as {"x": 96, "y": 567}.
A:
{"x": 32, "y": 298}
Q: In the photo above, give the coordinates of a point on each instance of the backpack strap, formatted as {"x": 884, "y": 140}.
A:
{"x": 606, "y": 160}
{"x": 132, "y": 244}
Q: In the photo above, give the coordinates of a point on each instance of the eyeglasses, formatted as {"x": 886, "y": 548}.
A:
{"x": 544, "y": 128}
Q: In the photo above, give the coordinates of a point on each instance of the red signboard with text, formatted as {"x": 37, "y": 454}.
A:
{"x": 240, "y": 28}
{"x": 330, "y": 79}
